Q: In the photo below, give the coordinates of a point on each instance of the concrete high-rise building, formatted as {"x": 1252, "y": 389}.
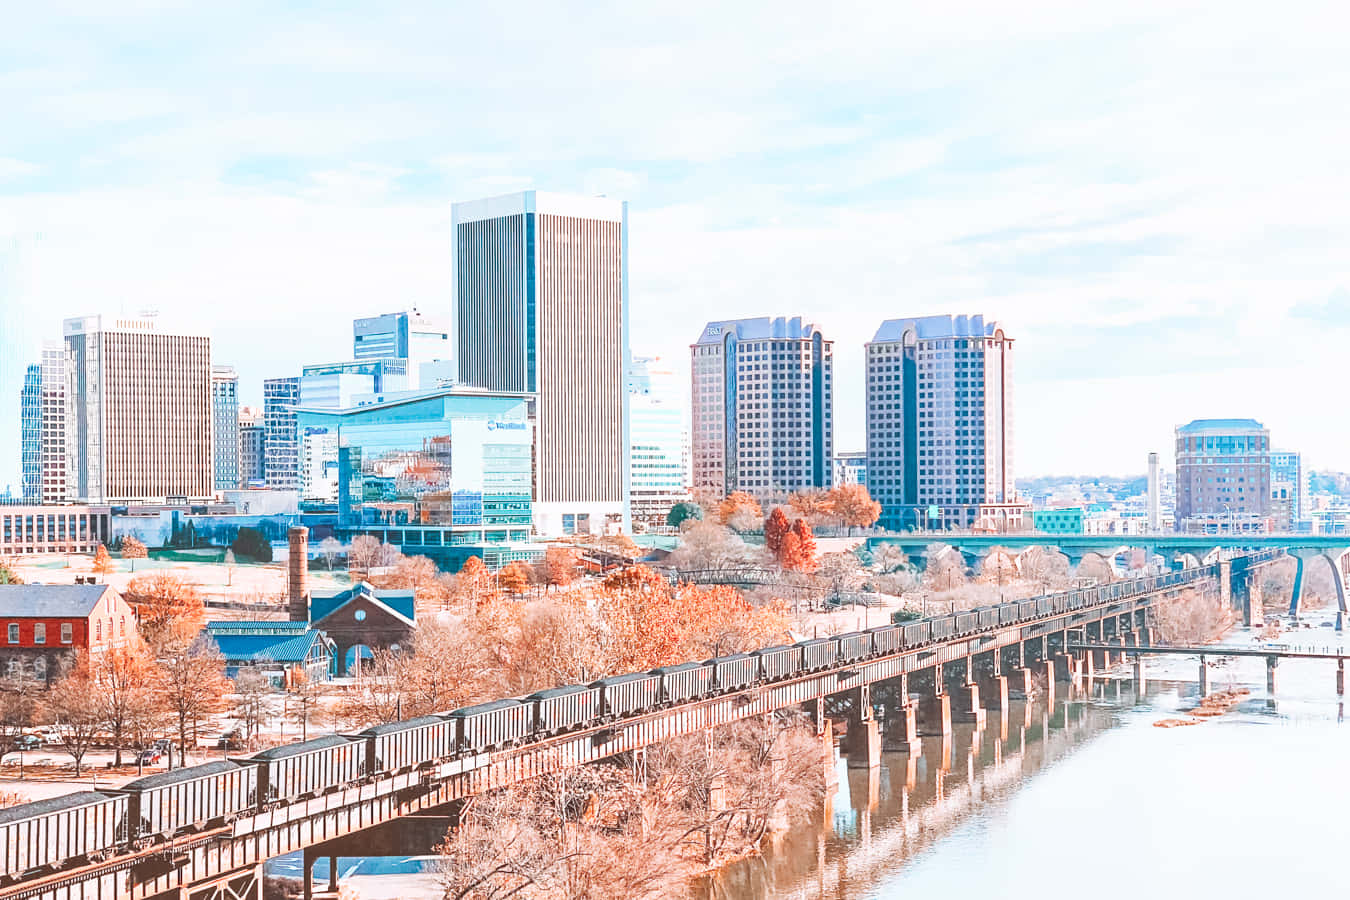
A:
{"x": 423, "y": 341}
{"x": 763, "y": 408}
{"x": 30, "y": 434}
{"x": 940, "y": 424}
{"x": 53, "y": 428}
{"x": 658, "y": 435}
{"x": 281, "y": 450}
{"x": 1154, "y": 496}
{"x": 1289, "y": 489}
{"x": 138, "y": 412}
{"x": 252, "y": 448}
{"x": 225, "y": 426}
{"x": 1223, "y": 476}
{"x": 541, "y": 286}
{"x": 850, "y": 467}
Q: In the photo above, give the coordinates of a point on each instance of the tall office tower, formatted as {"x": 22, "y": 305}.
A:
{"x": 281, "y": 450}
{"x": 410, "y": 336}
{"x": 658, "y": 440}
{"x": 1289, "y": 484}
{"x": 138, "y": 412}
{"x": 225, "y": 426}
{"x": 53, "y": 433}
{"x": 940, "y": 424}
{"x": 337, "y": 385}
{"x": 1154, "y": 496}
{"x": 763, "y": 408}
{"x": 542, "y": 307}
{"x": 30, "y": 434}
{"x": 252, "y": 448}
{"x": 1223, "y": 476}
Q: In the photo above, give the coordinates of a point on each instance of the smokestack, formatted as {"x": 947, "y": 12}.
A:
{"x": 1154, "y": 504}
{"x": 297, "y": 574}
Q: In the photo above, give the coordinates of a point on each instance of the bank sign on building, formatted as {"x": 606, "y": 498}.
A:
{"x": 444, "y": 474}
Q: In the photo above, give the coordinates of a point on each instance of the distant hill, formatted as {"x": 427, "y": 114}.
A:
{"x": 1113, "y": 485}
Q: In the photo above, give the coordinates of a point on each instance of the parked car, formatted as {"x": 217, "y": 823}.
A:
{"x": 231, "y": 740}
{"x": 27, "y": 742}
{"x": 150, "y": 757}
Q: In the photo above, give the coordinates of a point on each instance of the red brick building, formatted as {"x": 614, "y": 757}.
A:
{"x": 42, "y": 626}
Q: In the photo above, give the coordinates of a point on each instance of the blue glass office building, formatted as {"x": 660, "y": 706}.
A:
{"x": 444, "y": 474}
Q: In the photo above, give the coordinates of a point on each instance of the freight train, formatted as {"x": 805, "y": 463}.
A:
{"x": 90, "y": 826}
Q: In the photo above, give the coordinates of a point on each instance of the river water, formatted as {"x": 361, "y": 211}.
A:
{"x": 1088, "y": 796}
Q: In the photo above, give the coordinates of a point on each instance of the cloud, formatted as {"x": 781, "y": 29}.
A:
{"x": 16, "y": 168}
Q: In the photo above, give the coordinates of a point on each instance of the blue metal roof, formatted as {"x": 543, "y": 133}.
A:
{"x": 265, "y": 648}
{"x": 1220, "y": 425}
{"x": 400, "y": 602}
{"x": 935, "y": 327}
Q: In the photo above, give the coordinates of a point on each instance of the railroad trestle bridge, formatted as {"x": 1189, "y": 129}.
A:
{"x": 890, "y": 692}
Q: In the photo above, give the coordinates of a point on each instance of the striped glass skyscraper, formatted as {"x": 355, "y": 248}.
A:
{"x": 541, "y": 286}
{"x": 940, "y": 424}
{"x": 30, "y": 433}
{"x": 225, "y": 426}
{"x": 281, "y": 447}
{"x": 763, "y": 408}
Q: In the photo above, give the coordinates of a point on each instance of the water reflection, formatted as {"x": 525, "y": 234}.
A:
{"x": 1251, "y": 798}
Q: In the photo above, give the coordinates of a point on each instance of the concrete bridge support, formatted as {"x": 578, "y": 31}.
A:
{"x": 1272, "y": 664}
{"x": 1333, "y": 560}
{"x": 864, "y": 737}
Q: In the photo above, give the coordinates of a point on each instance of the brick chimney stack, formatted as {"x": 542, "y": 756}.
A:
{"x": 297, "y": 574}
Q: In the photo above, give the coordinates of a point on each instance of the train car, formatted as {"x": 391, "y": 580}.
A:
{"x": 1007, "y": 613}
{"x": 566, "y": 708}
{"x": 966, "y": 622}
{"x": 819, "y": 653}
{"x": 407, "y": 744}
{"x": 1026, "y": 609}
{"x": 918, "y": 633}
{"x": 627, "y": 695}
{"x": 941, "y": 627}
{"x": 854, "y": 646}
{"x": 1045, "y": 606}
{"x": 83, "y": 826}
{"x": 192, "y": 799}
{"x": 988, "y": 617}
{"x": 735, "y": 672}
{"x": 308, "y": 769}
{"x": 782, "y": 661}
{"x": 686, "y": 681}
{"x": 887, "y": 639}
{"x": 491, "y": 726}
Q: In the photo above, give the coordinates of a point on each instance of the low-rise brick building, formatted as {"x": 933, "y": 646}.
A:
{"x": 45, "y": 625}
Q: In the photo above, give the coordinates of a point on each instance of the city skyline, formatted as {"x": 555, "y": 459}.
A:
{"x": 1166, "y": 262}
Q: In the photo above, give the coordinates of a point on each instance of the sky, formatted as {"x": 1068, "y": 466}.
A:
{"x": 1153, "y": 198}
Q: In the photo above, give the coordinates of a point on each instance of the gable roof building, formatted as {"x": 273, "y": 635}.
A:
{"x": 362, "y": 616}
{"x": 274, "y": 648}
{"x": 44, "y": 624}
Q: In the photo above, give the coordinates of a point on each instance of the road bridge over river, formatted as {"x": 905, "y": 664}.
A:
{"x": 886, "y": 695}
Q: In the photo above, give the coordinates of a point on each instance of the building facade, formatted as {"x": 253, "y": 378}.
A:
{"x": 421, "y": 342}
{"x": 1058, "y": 521}
{"x": 281, "y": 447}
{"x": 252, "y": 448}
{"x": 225, "y": 426}
{"x": 30, "y": 435}
{"x": 443, "y": 474}
{"x": 940, "y": 424}
{"x": 1289, "y": 490}
{"x": 53, "y": 530}
{"x": 658, "y": 435}
{"x": 763, "y": 408}
{"x": 541, "y": 286}
{"x": 1223, "y": 476}
{"x": 850, "y": 468}
{"x": 138, "y": 413}
{"x": 46, "y": 625}
{"x": 53, "y": 428}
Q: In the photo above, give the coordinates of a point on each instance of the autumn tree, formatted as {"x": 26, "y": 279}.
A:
{"x": 165, "y": 603}
{"x": 133, "y": 549}
{"x": 888, "y": 558}
{"x": 474, "y": 582}
{"x": 515, "y": 577}
{"x": 74, "y": 707}
{"x": 775, "y": 527}
{"x": 853, "y": 506}
{"x": 798, "y": 553}
{"x": 558, "y": 568}
{"x": 7, "y": 573}
{"x": 191, "y": 684}
{"x": 740, "y": 511}
{"x": 843, "y": 570}
{"x": 999, "y": 567}
{"x": 1045, "y": 567}
{"x": 124, "y": 688}
{"x": 814, "y": 505}
{"x": 103, "y": 563}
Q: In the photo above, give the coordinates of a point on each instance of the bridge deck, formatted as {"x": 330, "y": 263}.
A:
{"x": 1282, "y": 651}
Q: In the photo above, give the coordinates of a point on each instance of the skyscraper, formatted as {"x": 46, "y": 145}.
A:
{"x": 30, "y": 434}
{"x": 1154, "y": 496}
{"x": 940, "y": 424}
{"x": 763, "y": 407}
{"x": 225, "y": 426}
{"x": 252, "y": 448}
{"x": 658, "y": 436}
{"x": 408, "y": 336}
{"x": 281, "y": 450}
{"x": 138, "y": 420}
{"x": 1289, "y": 484}
{"x": 1223, "y": 476}
{"x": 53, "y": 430}
{"x": 542, "y": 307}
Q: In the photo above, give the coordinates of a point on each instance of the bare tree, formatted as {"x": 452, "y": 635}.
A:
{"x": 708, "y": 545}
{"x": 255, "y": 702}
{"x": 331, "y": 549}
{"x": 946, "y": 569}
{"x": 191, "y": 685}
{"x": 18, "y": 708}
{"x": 74, "y": 707}
{"x": 363, "y": 553}
{"x": 888, "y": 558}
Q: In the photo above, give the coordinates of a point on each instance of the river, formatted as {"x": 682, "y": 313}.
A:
{"x": 1089, "y": 796}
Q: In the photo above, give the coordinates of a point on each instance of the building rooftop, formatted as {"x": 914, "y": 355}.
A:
{"x": 264, "y": 642}
{"x": 758, "y": 329}
{"x": 399, "y": 602}
{"x": 1220, "y": 425}
{"x": 390, "y": 399}
{"x": 50, "y": 601}
{"x": 935, "y": 327}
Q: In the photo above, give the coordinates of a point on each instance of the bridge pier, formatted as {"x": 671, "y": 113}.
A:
{"x": 1272, "y": 663}
{"x": 864, "y": 744}
{"x": 1204, "y": 677}
{"x": 1020, "y": 683}
{"x": 1140, "y": 680}
{"x": 935, "y": 715}
{"x": 902, "y": 730}
{"x": 1340, "y": 677}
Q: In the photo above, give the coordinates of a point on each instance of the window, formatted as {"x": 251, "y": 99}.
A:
{"x": 124, "y": 626}
{"x": 39, "y": 632}
{"x": 98, "y": 630}
{"x": 13, "y": 632}
{"x": 67, "y": 632}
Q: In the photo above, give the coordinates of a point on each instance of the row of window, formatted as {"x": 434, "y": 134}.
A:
{"x": 40, "y": 632}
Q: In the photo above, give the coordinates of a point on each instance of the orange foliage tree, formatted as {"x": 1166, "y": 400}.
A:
{"x": 739, "y": 511}
{"x": 103, "y": 563}
{"x": 776, "y": 526}
{"x": 558, "y": 568}
{"x": 854, "y": 506}
{"x": 814, "y": 506}
{"x": 165, "y": 606}
{"x": 515, "y": 577}
{"x": 799, "y": 549}
{"x": 133, "y": 550}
